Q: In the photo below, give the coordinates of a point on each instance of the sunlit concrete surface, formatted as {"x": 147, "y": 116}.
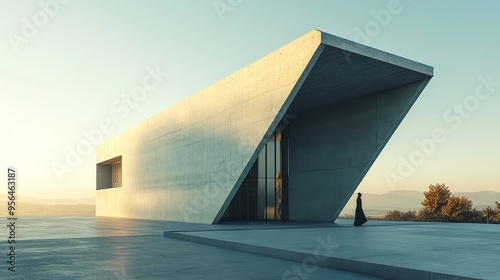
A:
{"x": 117, "y": 248}
{"x": 390, "y": 250}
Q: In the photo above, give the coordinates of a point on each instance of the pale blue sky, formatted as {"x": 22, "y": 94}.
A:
{"x": 64, "y": 76}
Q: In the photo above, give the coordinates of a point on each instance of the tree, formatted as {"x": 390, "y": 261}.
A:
{"x": 459, "y": 209}
{"x": 440, "y": 205}
{"x": 396, "y": 215}
{"x": 425, "y": 215}
{"x": 495, "y": 214}
{"x": 491, "y": 214}
{"x": 435, "y": 199}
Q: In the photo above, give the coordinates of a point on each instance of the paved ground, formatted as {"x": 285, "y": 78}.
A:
{"x": 392, "y": 250}
{"x": 112, "y": 248}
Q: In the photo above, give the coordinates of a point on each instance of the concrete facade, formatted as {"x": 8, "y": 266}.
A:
{"x": 187, "y": 163}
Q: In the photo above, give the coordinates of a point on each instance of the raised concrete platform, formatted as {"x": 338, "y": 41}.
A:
{"x": 389, "y": 250}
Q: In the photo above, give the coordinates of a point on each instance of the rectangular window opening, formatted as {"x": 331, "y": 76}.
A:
{"x": 109, "y": 174}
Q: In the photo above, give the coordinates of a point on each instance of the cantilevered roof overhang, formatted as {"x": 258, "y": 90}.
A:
{"x": 346, "y": 70}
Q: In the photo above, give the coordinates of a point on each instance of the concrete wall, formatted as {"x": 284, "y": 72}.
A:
{"x": 184, "y": 163}
{"x": 332, "y": 148}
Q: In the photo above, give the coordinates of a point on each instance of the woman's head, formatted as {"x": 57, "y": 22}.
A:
{"x": 359, "y": 194}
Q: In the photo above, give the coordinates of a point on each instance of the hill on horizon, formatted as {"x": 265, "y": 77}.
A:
{"x": 406, "y": 200}
{"x": 375, "y": 205}
{"x": 30, "y": 200}
{"x": 34, "y": 207}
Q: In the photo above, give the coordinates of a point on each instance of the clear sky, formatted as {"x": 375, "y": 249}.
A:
{"x": 68, "y": 66}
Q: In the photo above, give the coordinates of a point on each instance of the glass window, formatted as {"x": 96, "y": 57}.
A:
{"x": 260, "y": 196}
{"x": 270, "y": 199}
{"x": 278, "y": 155}
{"x": 261, "y": 199}
{"x": 270, "y": 158}
{"x": 261, "y": 173}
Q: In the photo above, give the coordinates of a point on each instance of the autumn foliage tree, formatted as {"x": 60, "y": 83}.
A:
{"x": 440, "y": 205}
{"x": 459, "y": 209}
{"x": 436, "y": 198}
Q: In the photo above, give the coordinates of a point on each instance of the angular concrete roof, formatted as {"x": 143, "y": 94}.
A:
{"x": 345, "y": 70}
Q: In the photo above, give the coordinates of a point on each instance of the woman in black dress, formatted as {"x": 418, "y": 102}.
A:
{"x": 360, "y": 218}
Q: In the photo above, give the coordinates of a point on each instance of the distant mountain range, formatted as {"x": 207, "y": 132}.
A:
{"x": 373, "y": 204}
{"x": 24, "y": 199}
{"x": 33, "y": 207}
{"x": 405, "y": 200}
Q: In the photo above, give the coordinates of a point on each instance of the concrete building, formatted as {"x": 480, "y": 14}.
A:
{"x": 289, "y": 137}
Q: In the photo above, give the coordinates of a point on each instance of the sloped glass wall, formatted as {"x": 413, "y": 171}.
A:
{"x": 262, "y": 195}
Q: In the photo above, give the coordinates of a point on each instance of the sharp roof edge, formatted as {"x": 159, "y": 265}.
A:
{"x": 350, "y": 47}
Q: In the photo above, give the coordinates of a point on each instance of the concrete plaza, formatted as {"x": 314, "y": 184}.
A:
{"x": 118, "y": 248}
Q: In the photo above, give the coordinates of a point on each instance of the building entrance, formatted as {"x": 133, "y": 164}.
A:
{"x": 263, "y": 195}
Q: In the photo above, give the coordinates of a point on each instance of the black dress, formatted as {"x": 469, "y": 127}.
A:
{"x": 360, "y": 218}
